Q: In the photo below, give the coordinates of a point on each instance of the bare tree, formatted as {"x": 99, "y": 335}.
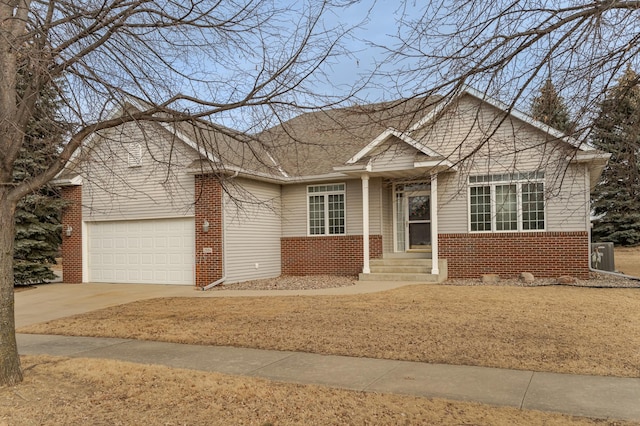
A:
{"x": 507, "y": 49}
{"x": 195, "y": 59}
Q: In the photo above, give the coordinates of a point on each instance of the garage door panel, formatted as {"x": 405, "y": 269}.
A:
{"x": 120, "y": 261}
{"x": 120, "y": 242}
{"x": 145, "y": 251}
{"x": 146, "y": 242}
{"x": 160, "y": 242}
{"x": 107, "y": 259}
{"x": 175, "y": 243}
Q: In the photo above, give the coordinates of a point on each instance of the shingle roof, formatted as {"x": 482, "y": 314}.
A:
{"x": 229, "y": 148}
{"x": 313, "y": 143}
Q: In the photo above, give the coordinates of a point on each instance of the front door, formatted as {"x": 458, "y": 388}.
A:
{"x": 412, "y": 216}
{"x": 418, "y": 221}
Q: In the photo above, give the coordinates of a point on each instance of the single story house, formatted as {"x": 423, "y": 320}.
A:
{"x": 414, "y": 190}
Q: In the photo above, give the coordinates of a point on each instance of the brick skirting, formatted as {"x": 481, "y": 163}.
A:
{"x": 72, "y": 245}
{"x": 335, "y": 255}
{"x": 544, "y": 254}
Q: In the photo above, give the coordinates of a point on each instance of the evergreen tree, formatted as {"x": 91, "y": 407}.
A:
{"x": 616, "y": 199}
{"x": 549, "y": 108}
{"x": 38, "y": 228}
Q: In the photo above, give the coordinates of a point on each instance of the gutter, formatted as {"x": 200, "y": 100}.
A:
{"x": 215, "y": 283}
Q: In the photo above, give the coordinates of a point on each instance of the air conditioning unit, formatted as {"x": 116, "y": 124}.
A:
{"x": 602, "y": 257}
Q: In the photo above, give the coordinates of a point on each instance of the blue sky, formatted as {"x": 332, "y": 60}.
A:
{"x": 378, "y": 26}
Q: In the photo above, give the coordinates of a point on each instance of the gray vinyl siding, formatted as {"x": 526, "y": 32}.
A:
{"x": 452, "y": 204}
{"x": 394, "y": 154}
{"x": 375, "y": 206}
{"x": 514, "y": 145}
{"x": 387, "y": 219}
{"x": 159, "y": 188}
{"x": 354, "y": 207}
{"x": 252, "y": 224}
{"x": 294, "y": 208}
{"x": 568, "y": 209}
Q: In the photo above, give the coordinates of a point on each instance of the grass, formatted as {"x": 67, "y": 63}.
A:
{"x": 89, "y": 391}
{"x": 627, "y": 260}
{"x": 555, "y": 329}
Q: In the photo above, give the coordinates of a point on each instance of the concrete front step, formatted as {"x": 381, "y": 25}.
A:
{"x": 405, "y": 269}
{"x": 401, "y": 262}
{"x": 409, "y": 255}
{"x": 394, "y": 276}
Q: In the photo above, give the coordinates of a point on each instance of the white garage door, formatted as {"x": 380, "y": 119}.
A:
{"x": 142, "y": 251}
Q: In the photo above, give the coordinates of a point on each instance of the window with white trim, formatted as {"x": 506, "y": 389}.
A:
{"x": 507, "y": 202}
{"x": 135, "y": 155}
{"x": 326, "y": 209}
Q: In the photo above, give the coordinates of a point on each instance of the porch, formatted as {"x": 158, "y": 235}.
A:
{"x": 410, "y": 251}
{"x": 411, "y": 169}
{"x": 413, "y": 266}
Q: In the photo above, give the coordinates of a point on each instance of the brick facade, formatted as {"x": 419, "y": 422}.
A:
{"x": 72, "y": 245}
{"x": 334, "y": 255}
{"x": 208, "y": 206}
{"x": 544, "y": 254}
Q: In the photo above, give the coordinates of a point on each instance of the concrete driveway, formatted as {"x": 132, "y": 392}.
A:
{"x": 51, "y": 301}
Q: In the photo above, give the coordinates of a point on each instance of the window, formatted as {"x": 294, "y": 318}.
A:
{"x": 135, "y": 155}
{"x": 480, "y": 208}
{"x": 507, "y": 202}
{"x": 326, "y": 209}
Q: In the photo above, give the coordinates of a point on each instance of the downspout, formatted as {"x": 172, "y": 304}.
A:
{"x": 588, "y": 223}
{"x": 224, "y": 246}
{"x": 224, "y": 254}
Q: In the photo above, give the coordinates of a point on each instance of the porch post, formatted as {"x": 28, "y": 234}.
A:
{"x": 434, "y": 224}
{"x": 365, "y": 223}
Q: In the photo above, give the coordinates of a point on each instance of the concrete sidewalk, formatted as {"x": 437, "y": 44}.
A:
{"x": 591, "y": 396}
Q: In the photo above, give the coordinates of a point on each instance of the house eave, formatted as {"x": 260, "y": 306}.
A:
{"x": 264, "y": 177}
{"x": 589, "y": 157}
{"x": 420, "y": 168}
{"x": 440, "y": 165}
{"x": 317, "y": 178}
{"x": 595, "y": 163}
{"x": 74, "y": 181}
{"x": 234, "y": 172}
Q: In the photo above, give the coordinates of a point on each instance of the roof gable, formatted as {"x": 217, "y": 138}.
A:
{"x": 384, "y": 137}
{"x": 504, "y": 108}
{"x": 436, "y": 113}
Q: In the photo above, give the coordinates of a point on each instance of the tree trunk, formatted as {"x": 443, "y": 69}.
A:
{"x": 10, "y": 371}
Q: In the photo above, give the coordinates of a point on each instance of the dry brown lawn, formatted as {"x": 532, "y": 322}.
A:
{"x": 62, "y": 391}
{"x": 628, "y": 260}
{"x": 556, "y": 329}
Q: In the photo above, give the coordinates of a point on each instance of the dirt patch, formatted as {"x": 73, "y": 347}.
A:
{"x": 556, "y": 329}
{"x": 89, "y": 391}
{"x": 627, "y": 260}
